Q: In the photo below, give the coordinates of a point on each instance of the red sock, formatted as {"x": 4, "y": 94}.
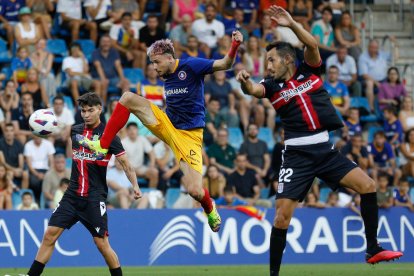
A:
{"x": 117, "y": 121}
{"x": 206, "y": 202}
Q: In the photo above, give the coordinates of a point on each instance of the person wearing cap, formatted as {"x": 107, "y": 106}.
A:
{"x": 26, "y": 32}
{"x": 9, "y": 17}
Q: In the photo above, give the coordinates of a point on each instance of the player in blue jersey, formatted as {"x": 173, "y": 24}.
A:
{"x": 181, "y": 126}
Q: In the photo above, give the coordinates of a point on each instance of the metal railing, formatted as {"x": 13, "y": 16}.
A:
{"x": 367, "y": 10}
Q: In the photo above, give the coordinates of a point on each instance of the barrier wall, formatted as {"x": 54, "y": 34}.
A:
{"x": 182, "y": 237}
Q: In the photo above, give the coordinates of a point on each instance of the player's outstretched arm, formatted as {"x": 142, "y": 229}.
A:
{"x": 130, "y": 173}
{"x": 228, "y": 60}
{"x": 283, "y": 18}
{"x": 254, "y": 89}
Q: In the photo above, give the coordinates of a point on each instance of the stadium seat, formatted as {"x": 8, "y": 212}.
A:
{"x": 323, "y": 194}
{"x": 364, "y": 110}
{"x": 42, "y": 203}
{"x": 266, "y": 135}
{"x": 68, "y": 162}
{"x": 134, "y": 76}
{"x": 171, "y": 196}
{"x": 235, "y": 137}
{"x": 87, "y": 46}
{"x": 146, "y": 190}
{"x": 58, "y": 48}
{"x": 412, "y": 194}
{"x": 8, "y": 72}
{"x": 264, "y": 193}
{"x": 5, "y": 57}
{"x": 371, "y": 132}
{"x": 17, "y": 197}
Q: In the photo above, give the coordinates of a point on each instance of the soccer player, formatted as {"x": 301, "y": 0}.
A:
{"x": 86, "y": 195}
{"x": 307, "y": 115}
{"x": 181, "y": 126}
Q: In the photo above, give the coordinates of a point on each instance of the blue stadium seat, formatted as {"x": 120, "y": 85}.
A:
{"x": 17, "y": 197}
{"x": 8, "y": 72}
{"x": 134, "y": 76}
{"x": 146, "y": 190}
{"x": 87, "y": 46}
{"x": 5, "y": 57}
{"x": 412, "y": 194}
{"x": 58, "y": 48}
{"x": 235, "y": 137}
{"x": 68, "y": 162}
{"x": 264, "y": 193}
{"x": 371, "y": 132}
{"x": 171, "y": 196}
{"x": 42, "y": 203}
{"x": 266, "y": 135}
{"x": 323, "y": 194}
{"x": 362, "y": 104}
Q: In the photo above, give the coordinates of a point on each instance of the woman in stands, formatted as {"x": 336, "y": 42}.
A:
{"x": 38, "y": 91}
{"x": 42, "y": 60}
{"x": 348, "y": 35}
{"x": 406, "y": 115}
{"x": 391, "y": 91}
{"x": 6, "y": 188}
{"x": 214, "y": 182}
{"x": 26, "y": 32}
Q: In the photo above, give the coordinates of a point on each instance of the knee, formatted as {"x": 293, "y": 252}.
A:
{"x": 281, "y": 220}
{"x": 126, "y": 97}
{"x": 50, "y": 237}
{"x": 100, "y": 244}
{"x": 371, "y": 186}
{"x": 194, "y": 192}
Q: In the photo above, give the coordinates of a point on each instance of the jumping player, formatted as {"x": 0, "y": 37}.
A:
{"x": 307, "y": 115}
{"x": 181, "y": 126}
{"x": 86, "y": 195}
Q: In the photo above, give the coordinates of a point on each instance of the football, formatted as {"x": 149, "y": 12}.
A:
{"x": 43, "y": 122}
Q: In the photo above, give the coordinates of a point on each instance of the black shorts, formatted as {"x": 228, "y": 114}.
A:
{"x": 92, "y": 214}
{"x": 301, "y": 164}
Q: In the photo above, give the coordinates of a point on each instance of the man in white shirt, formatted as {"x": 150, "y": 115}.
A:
{"x": 51, "y": 181}
{"x": 136, "y": 147}
{"x": 208, "y": 30}
{"x": 71, "y": 16}
{"x": 39, "y": 157}
{"x": 77, "y": 72}
{"x": 65, "y": 120}
{"x": 99, "y": 11}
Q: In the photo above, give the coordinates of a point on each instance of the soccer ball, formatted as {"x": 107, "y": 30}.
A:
{"x": 43, "y": 122}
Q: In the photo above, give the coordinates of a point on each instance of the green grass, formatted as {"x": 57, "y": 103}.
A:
{"x": 387, "y": 269}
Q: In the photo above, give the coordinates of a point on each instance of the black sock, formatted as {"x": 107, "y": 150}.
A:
{"x": 369, "y": 213}
{"x": 277, "y": 245}
{"x": 116, "y": 271}
{"x": 36, "y": 268}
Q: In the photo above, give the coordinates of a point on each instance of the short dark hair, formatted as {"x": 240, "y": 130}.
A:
{"x": 9, "y": 125}
{"x": 354, "y": 108}
{"x": 379, "y": 133}
{"x": 152, "y": 15}
{"x": 58, "y": 97}
{"x": 382, "y": 174}
{"x": 27, "y": 193}
{"x": 89, "y": 99}
{"x": 407, "y": 135}
{"x": 282, "y": 48}
{"x": 75, "y": 44}
{"x": 228, "y": 189}
{"x": 213, "y": 99}
{"x": 396, "y": 70}
{"x": 132, "y": 124}
{"x": 333, "y": 67}
{"x": 125, "y": 14}
{"x": 403, "y": 179}
{"x": 64, "y": 181}
{"x": 210, "y": 5}
{"x": 328, "y": 9}
{"x": 27, "y": 93}
{"x": 391, "y": 109}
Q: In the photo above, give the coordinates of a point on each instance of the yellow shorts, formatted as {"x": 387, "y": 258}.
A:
{"x": 186, "y": 144}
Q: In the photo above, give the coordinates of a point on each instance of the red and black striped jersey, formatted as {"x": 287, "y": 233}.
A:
{"x": 304, "y": 105}
{"x": 88, "y": 177}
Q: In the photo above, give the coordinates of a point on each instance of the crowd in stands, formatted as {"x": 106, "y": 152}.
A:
{"x": 55, "y": 50}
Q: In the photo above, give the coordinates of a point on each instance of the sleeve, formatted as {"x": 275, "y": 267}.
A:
{"x": 390, "y": 152}
{"x": 381, "y": 92}
{"x": 317, "y": 31}
{"x": 116, "y": 147}
{"x": 113, "y": 32}
{"x": 243, "y": 148}
{"x": 364, "y": 152}
{"x": 267, "y": 87}
{"x": 15, "y": 114}
{"x": 61, "y": 6}
{"x": 13, "y": 65}
{"x": 346, "y": 149}
{"x": 220, "y": 29}
{"x": 26, "y": 150}
{"x": 317, "y": 69}
{"x": 65, "y": 63}
{"x": 88, "y": 3}
{"x": 147, "y": 145}
{"x": 362, "y": 66}
{"x": 352, "y": 65}
{"x": 345, "y": 90}
{"x": 201, "y": 66}
{"x": 51, "y": 149}
{"x": 95, "y": 55}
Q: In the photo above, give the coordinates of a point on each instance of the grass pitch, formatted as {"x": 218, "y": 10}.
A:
{"x": 386, "y": 269}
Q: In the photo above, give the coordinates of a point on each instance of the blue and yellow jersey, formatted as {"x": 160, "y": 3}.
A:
{"x": 184, "y": 92}
{"x": 152, "y": 92}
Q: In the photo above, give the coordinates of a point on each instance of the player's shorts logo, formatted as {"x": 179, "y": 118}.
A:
{"x": 182, "y": 75}
{"x": 280, "y": 187}
{"x": 192, "y": 153}
{"x": 102, "y": 207}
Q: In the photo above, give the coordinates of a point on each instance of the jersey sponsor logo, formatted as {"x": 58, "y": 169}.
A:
{"x": 79, "y": 155}
{"x": 290, "y": 93}
{"x": 182, "y": 75}
{"x": 176, "y": 91}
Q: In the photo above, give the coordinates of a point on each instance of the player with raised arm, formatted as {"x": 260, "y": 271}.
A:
{"x": 181, "y": 126}
{"x": 307, "y": 115}
{"x": 86, "y": 195}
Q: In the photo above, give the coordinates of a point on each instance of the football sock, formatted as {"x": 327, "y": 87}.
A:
{"x": 369, "y": 213}
{"x": 206, "y": 202}
{"x": 277, "y": 245}
{"x": 116, "y": 271}
{"x": 117, "y": 121}
{"x": 36, "y": 268}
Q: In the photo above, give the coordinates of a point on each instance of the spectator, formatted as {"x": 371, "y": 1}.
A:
{"x": 148, "y": 34}
{"x": 256, "y": 151}
{"x": 224, "y": 45}
{"x": 357, "y": 152}
{"x": 12, "y": 150}
{"x": 221, "y": 154}
{"x": 125, "y": 39}
{"x": 384, "y": 193}
{"x": 26, "y": 32}
{"x": 182, "y": 8}
{"x": 347, "y": 34}
{"x": 384, "y": 158}
{"x": 208, "y": 30}
{"x": 391, "y": 91}
{"x": 39, "y": 159}
{"x": 170, "y": 174}
{"x": 213, "y": 121}
{"x": 406, "y": 114}
{"x": 152, "y": 88}
{"x": 266, "y": 32}
{"x": 20, "y": 118}
{"x": 52, "y": 179}
{"x": 42, "y": 60}
{"x": 392, "y": 127}
{"x": 372, "y": 67}
{"x": 119, "y": 7}
{"x": 254, "y": 58}
{"x": 332, "y": 200}
{"x": 229, "y": 198}
{"x": 9, "y": 17}
{"x": 214, "y": 181}
{"x": 36, "y": 89}
{"x": 157, "y": 7}
{"x": 77, "y": 72}
{"x": 99, "y": 12}
{"x": 352, "y": 123}
{"x": 63, "y": 186}
{"x": 107, "y": 67}
{"x": 136, "y": 147}
{"x": 220, "y": 88}
{"x": 65, "y": 120}
{"x": 301, "y": 11}
{"x": 71, "y": 16}
{"x": 323, "y": 32}
{"x": 9, "y": 99}
{"x": 239, "y": 24}
{"x": 180, "y": 34}
{"x": 311, "y": 201}
{"x": 337, "y": 90}
{"x": 407, "y": 154}
{"x": 355, "y": 204}
{"x": 27, "y": 203}
{"x": 401, "y": 195}
{"x": 276, "y": 162}
{"x": 41, "y": 15}
{"x": 6, "y": 188}
{"x": 249, "y": 8}
{"x": 347, "y": 69}
{"x": 193, "y": 48}
{"x": 20, "y": 65}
